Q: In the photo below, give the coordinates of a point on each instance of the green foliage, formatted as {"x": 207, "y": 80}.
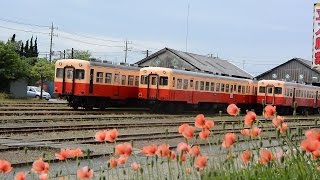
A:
{"x": 43, "y": 69}
{"x": 79, "y": 54}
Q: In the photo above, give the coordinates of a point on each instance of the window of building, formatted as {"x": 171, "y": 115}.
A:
{"x": 99, "y": 78}
{"x": 207, "y": 86}
{"x": 201, "y": 85}
{"x": 136, "y": 81}
{"x": 217, "y": 87}
{"x": 197, "y": 85}
{"x": 163, "y": 80}
{"x": 123, "y": 80}
{"x": 179, "y": 83}
{"x": 144, "y": 79}
{"x": 108, "y": 78}
{"x": 59, "y": 73}
{"x": 278, "y": 90}
{"x": 130, "y": 80}
{"x": 212, "y": 86}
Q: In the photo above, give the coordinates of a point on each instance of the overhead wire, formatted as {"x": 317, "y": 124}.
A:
{"x": 90, "y": 37}
{"x": 29, "y": 31}
{"x": 18, "y": 22}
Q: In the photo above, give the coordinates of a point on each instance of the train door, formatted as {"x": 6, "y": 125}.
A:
{"x": 116, "y": 84}
{"x": 293, "y": 96}
{"x": 68, "y": 80}
{"x": 192, "y": 90}
{"x": 269, "y": 95}
{"x": 153, "y": 86}
{"x": 316, "y": 104}
{"x": 231, "y": 91}
{"x": 91, "y": 81}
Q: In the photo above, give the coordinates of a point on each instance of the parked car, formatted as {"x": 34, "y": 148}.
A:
{"x": 35, "y": 92}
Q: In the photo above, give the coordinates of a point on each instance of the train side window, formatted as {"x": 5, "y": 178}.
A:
{"x": 217, "y": 87}
{"x": 173, "y": 81}
{"x": 201, "y": 85}
{"x": 227, "y": 88}
{"x": 212, "y": 86}
{"x": 163, "y": 80}
{"x": 239, "y": 89}
{"x": 191, "y": 84}
{"x": 290, "y": 93}
{"x": 222, "y": 87}
{"x": 116, "y": 78}
{"x": 144, "y": 79}
{"x": 123, "y": 80}
{"x": 278, "y": 90}
{"x": 234, "y": 88}
{"x": 262, "y": 89}
{"x": 70, "y": 74}
{"x": 130, "y": 80}
{"x": 243, "y": 90}
{"x": 108, "y": 78}
{"x": 185, "y": 84}
{"x": 59, "y": 73}
{"x": 99, "y": 78}
{"x": 207, "y": 86}
{"x": 79, "y": 74}
{"x": 197, "y": 85}
{"x": 179, "y": 83}
{"x": 255, "y": 90}
{"x": 270, "y": 90}
{"x": 136, "y": 81}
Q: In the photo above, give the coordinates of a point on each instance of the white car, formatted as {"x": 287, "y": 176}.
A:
{"x": 34, "y": 92}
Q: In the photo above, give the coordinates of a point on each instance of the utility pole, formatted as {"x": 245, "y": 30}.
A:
{"x": 146, "y": 52}
{"x": 126, "y": 50}
{"x": 51, "y": 36}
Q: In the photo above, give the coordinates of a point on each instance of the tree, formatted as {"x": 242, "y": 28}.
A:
{"x": 11, "y": 65}
{"x": 79, "y": 54}
{"x": 43, "y": 70}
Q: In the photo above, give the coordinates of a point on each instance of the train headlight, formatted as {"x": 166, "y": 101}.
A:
{"x": 80, "y": 64}
{"x": 60, "y": 63}
{"x": 164, "y": 72}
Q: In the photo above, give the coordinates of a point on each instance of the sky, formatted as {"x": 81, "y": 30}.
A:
{"x": 254, "y": 35}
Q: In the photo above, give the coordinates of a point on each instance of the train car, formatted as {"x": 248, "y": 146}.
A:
{"x": 287, "y": 95}
{"x": 173, "y": 90}
{"x": 90, "y": 84}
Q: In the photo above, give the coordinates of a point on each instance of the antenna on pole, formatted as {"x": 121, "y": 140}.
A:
{"x": 187, "y": 28}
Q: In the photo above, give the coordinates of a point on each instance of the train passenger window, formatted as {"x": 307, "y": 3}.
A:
{"x": 290, "y": 93}
{"x": 79, "y": 73}
{"x": 123, "y": 79}
{"x": 231, "y": 88}
{"x": 207, "y": 86}
{"x": 144, "y": 79}
{"x": 262, "y": 89}
{"x": 116, "y": 78}
{"x": 227, "y": 87}
{"x": 234, "y": 88}
{"x": 163, "y": 80}
{"x": 277, "y": 90}
{"x": 217, "y": 87}
{"x": 153, "y": 80}
{"x": 130, "y": 80}
{"x": 201, "y": 85}
{"x": 255, "y": 90}
{"x": 173, "y": 81}
{"x": 212, "y": 86}
{"x": 247, "y": 89}
{"x": 136, "y": 81}
{"x": 222, "y": 87}
{"x": 59, "y": 73}
{"x": 191, "y": 84}
{"x": 239, "y": 89}
{"x": 70, "y": 74}
{"x": 185, "y": 84}
{"x": 243, "y": 90}
{"x": 179, "y": 84}
{"x": 99, "y": 78}
{"x": 197, "y": 85}
{"x": 108, "y": 78}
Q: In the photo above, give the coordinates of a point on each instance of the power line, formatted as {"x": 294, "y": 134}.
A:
{"x": 90, "y": 37}
{"x": 24, "y": 30}
{"x": 17, "y": 22}
{"x": 87, "y": 42}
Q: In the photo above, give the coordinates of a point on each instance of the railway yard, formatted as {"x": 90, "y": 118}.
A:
{"x": 30, "y": 130}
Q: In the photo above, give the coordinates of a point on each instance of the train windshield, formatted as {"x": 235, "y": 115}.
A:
{"x": 163, "y": 80}
{"x": 262, "y": 89}
{"x": 59, "y": 73}
{"x": 144, "y": 79}
{"x": 277, "y": 90}
{"x": 79, "y": 73}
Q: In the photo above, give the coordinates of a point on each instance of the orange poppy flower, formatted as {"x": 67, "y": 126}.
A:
{"x": 245, "y": 132}
{"x": 277, "y": 121}
{"x": 204, "y": 134}
{"x": 316, "y": 154}
{"x": 85, "y": 173}
{"x": 188, "y": 132}
{"x": 184, "y": 147}
{"x": 250, "y": 118}
{"x": 269, "y": 111}
{"x": 76, "y": 153}
{"x": 200, "y": 162}
{"x": 182, "y": 127}
{"x": 122, "y": 160}
{"x": 43, "y": 177}
{"x": 255, "y": 132}
{"x": 283, "y": 128}
{"x": 313, "y": 134}
{"x": 182, "y": 157}
{"x": 209, "y": 124}
{"x": 163, "y": 150}
{"x": 246, "y": 156}
{"x": 113, "y": 162}
{"x": 310, "y": 145}
{"x": 266, "y": 156}
{"x": 20, "y": 176}
{"x": 135, "y": 166}
{"x": 100, "y": 136}
{"x": 233, "y": 110}
{"x": 200, "y": 121}
{"x": 195, "y": 151}
{"x": 124, "y": 149}
{"x": 149, "y": 150}
{"x": 5, "y": 166}
{"x": 40, "y": 166}
{"x": 111, "y": 135}
{"x": 229, "y": 140}
{"x": 64, "y": 154}
{"x": 172, "y": 155}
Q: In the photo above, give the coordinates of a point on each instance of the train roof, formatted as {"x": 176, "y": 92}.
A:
{"x": 196, "y": 73}
{"x": 106, "y": 64}
{"x": 287, "y": 83}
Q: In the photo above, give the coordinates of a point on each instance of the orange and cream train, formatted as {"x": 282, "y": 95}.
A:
{"x": 90, "y": 84}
